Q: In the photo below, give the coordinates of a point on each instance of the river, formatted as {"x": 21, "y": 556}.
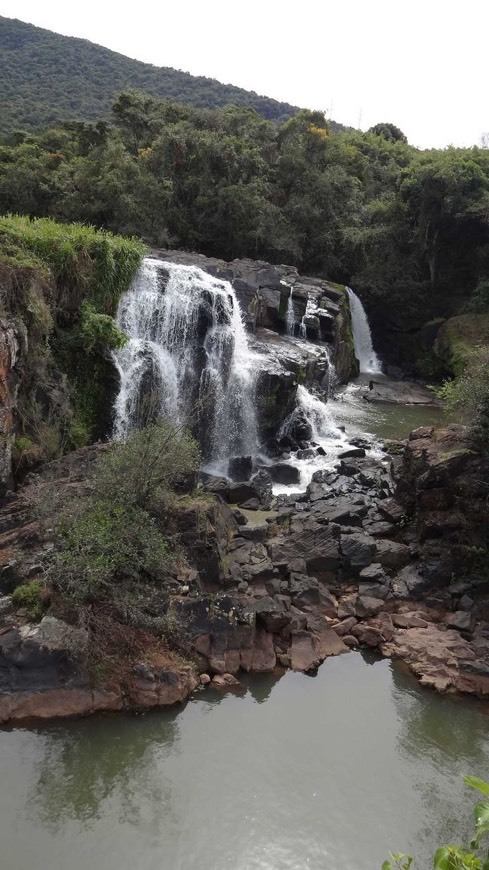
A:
{"x": 326, "y": 772}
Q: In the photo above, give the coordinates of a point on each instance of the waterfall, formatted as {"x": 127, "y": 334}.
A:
{"x": 290, "y": 316}
{"x": 319, "y": 415}
{"x": 302, "y": 326}
{"x": 362, "y": 337}
{"x": 187, "y": 357}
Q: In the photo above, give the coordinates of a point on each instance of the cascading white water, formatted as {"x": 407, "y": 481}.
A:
{"x": 188, "y": 352}
{"x": 302, "y": 326}
{"x": 290, "y": 315}
{"x": 320, "y": 416}
{"x": 362, "y": 337}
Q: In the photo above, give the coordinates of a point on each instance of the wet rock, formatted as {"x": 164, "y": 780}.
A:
{"x": 304, "y": 655}
{"x": 351, "y": 641}
{"x": 217, "y": 485}
{"x": 240, "y": 468}
{"x": 283, "y": 473}
{"x": 225, "y": 682}
{"x": 367, "y": 635}
{"x": 263, "y": 656}
{"x": 352, "y": 453}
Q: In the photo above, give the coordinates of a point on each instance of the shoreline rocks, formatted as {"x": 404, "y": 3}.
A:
{"x": 355, "y": 561}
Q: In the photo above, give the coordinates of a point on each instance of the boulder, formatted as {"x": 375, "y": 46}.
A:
{"x": 284, "y": 473}
{"x": 240, "y": 468}
{"x": 391, "y": 554}
{"x": 357, "y": 550}
{"x": 366, "y": 606}
{"x": 316, "y": 544}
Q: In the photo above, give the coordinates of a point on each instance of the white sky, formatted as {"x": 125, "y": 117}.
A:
{"x": 420, "y": 64}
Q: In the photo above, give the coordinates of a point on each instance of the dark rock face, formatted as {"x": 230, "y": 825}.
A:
{"x": 240, "y": 468}
{"x": 10, "y": 350}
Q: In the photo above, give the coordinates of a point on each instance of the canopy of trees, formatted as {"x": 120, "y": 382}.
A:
{"x": 405, "y": 227}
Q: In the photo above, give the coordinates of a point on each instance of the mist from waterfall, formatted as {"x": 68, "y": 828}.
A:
{"x": 362, "y": 337}
{"x": 187, "y": 354}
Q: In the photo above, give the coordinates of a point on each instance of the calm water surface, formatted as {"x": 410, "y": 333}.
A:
{"x": 326, "y": 772}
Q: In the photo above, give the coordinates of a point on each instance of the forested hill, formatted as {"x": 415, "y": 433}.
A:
{"x": 46, "y": 77}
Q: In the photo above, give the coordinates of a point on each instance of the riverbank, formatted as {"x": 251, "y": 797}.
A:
{"x": 371, "y": 555}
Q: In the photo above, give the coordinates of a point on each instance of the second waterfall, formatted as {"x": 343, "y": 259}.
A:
{"x": 187, "y": 358}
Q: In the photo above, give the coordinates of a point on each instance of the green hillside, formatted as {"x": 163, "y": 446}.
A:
{"x": 46, "y": 77}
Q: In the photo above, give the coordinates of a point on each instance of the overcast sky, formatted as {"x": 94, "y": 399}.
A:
{"x": 420, "y": 64}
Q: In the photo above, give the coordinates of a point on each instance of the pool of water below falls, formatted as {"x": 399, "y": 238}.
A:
{"x": 326, "y": 772}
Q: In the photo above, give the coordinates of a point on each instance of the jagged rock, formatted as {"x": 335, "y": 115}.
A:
{"x": 346, "y": 607}
{"x": 352, "y": 453}
{"x": 351, "y": 641}
{"x": 240, "y": 468}
{"x": 391, "y": 510}
{"x": 304, "y": 589}
{"x": 317, "y": 545}
{"x": 345, "y": 626}
{"x": 409, "y": 583}
{"x": 409, "y": 620}
{"x": 217, "y": 485}
{"x": 257, "y": 532}
{"x": 298, "y": 427}
{"x": 366, "y": 606}
{"x": 357, "y": 550}
{"x": 225, "y": 681}
{"x": 368, "y": 635}
{"x": 283, "y": 473}
{"x": 304, "y": 655}
{"x": 270, "y": 613}
{"x": 263, "y": 654}
{"x": 327, "y": 642}
{"x": 461, "y": 620}
{"x": 373, "y": 573}
{"x": 391, "y": 554}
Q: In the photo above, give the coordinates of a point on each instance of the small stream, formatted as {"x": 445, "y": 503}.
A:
{"x": 326, "y": 772}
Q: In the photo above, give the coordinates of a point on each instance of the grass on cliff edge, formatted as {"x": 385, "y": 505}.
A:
{"x": 76, "y": 257}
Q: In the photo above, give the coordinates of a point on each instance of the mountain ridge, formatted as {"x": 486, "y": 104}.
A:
{"x": 47, "y": 77}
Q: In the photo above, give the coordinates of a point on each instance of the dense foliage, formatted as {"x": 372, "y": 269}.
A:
{"x": 408, "y": 229}
{"x": 59, "y": 287}
{"x": 46, "y": 77}
{"x": 112, "y": 535}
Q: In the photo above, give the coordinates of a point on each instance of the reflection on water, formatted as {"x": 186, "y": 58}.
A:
{"x": 329, "y": 772}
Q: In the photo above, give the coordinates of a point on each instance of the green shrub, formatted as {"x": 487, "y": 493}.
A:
{"x": 110, "y": 542}
{"x": 30, "y": 597}
{"x": 479, "y": 301}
